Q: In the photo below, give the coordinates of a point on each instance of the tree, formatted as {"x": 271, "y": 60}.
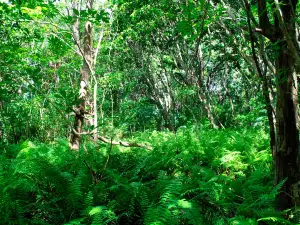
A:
{"x": 81, "y": 109}
{"x": 283, "y": 34}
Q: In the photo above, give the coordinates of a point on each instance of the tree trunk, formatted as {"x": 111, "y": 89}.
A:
{"x": 287, "y": 135}
{"x": 263, "y": 76}
{"x": 283, "y": 33}
{"x": 208, "y": 109}
{"x": 287, "y": 132}
{"x": 167, "y": 118}
{"x": 84, "y": 83}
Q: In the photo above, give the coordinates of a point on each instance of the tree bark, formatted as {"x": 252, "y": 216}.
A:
{"x": 80, "y": 110}
{"x": 287, "y": 131}
{"x": 208, "y": 109}
{"x": 263, "y": 76}
{"x": 287, "y": 135}
{"x": 202, "y": 92}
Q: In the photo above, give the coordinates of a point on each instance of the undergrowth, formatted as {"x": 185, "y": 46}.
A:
{"x": 206, "y": 177}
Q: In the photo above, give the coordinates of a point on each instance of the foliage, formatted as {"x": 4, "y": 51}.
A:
{"x": 207, "y": 178}
{"x": 181, "y": 76}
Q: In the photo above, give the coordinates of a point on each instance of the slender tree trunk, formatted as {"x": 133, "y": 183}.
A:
{"x": 263, "y": 76}
{"x": 167, "y": 118}
{"x": 227, "y": 92}
{"x": 268, "y": 96}
{"x": 84, "y": 83}
{"x": 201, "y": 90}
{"x": 95, "y": 106}
{"x": 208, "y": 109}
{"x": 101, "y": 107}
{"x": 159, "y": 123}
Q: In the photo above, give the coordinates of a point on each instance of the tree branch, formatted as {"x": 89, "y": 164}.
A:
{"x": 266, "y": 28}
{"x": 92, "y": 172}
{"x": 262, "y": 76}
{"x": 285, "y": 32}
{"x": 124, "y": 143}
{"x": 111, "y": 142}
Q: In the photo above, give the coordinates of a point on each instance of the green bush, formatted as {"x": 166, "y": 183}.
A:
{"x": 203, "y": 177}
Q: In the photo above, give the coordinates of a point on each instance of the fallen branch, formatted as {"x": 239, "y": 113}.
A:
{"x": 124, "y": 143}
{"x": 111, "y": 142}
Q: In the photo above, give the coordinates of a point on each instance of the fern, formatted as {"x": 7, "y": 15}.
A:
{"x": 223, "y": 177}
{"x": 274, "y": 220}
{"x": 102, "y": 215}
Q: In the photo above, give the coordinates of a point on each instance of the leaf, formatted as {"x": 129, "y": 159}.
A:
{"x": 103, "y": 16}
{"x": 184, "y": 27}
{"x": 76, "y": 12}
{"x": 96, "y": 210}
{"x": 276, "y": 220}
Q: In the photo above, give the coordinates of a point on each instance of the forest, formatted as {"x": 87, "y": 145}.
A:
{"x": 149, "y": 112}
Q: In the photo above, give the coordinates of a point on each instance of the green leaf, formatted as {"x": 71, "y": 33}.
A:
{"x": 102, "y": 16}
{"x": 76, "y": 12}
{"x": 96, "y": 210}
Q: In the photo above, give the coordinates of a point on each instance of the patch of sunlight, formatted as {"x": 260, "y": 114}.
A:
{"x": 26, "y": 147}
{"x": 35, "y": 13}
{"x": 96, "y": 210}
{"x": 184, "y": 204}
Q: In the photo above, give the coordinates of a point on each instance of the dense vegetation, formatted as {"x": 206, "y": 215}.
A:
{"x": 149, "y": 112}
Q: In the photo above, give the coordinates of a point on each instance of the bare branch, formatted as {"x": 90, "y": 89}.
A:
{"x": 111, "y": 142}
